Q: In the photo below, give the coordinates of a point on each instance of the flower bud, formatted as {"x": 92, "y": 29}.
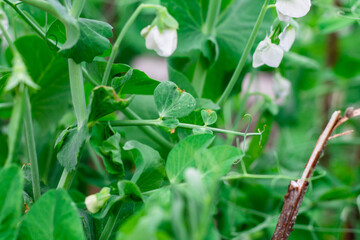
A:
{"x": 163, "y": 42}
{"x": 96, "y": 201}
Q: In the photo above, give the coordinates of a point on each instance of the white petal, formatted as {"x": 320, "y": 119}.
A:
{"x": 163, "y": 43}
{"x": 272, "y": 55}
{"x": 283, "y": 17}
{"x": 257, "y": 61}
{"x": 92, "y": 204}
{"x": 293, "y": 8}
{"x": 287, "y": 37}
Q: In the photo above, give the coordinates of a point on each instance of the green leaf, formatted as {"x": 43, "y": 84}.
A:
{"x": 129, "y": 189}
{"x": 216, "y": 161}
{"x": 340, "y": 193}
{"x": 11, "y": 187}
{"x": 60, "y": 12}
{"x": 106, "y": 143}
{"x": 93, "y": 40}
{"x": 150, "y": 167}
{"x": 209, "y": 117}
{"x": 231, "y": 33}
{"x": 183, "y": 154}
{"x": 103, "y": 101}
{"x": 70, "y": 143}
{"x": 53, "y": 216}
{"x": 138, "y": 82}
{"x": 172, "y": 102}
{"x": 51, "y": 73}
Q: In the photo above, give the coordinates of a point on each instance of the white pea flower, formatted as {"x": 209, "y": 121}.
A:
{"x": 163, "y": 42}
{"x": 287, "y": 38}
{"x": 267, "y": 53}
{"x": 96, "y": 201}
{"x": 292, "y": 8}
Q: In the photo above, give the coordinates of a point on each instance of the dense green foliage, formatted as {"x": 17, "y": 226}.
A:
{"x": 208, "y": 154}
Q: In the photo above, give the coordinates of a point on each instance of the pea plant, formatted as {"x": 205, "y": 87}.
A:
{"x": 92, "y": 147}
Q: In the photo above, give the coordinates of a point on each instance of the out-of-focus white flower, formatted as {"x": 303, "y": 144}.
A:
{"x": 287, "y": 38}
{"x": 281, "y": 88}
{"x": 267, "y": 53}
{"x": 292, "y": 8}
{"x": 163, "y": 42}
{"x": 96, "y": 201}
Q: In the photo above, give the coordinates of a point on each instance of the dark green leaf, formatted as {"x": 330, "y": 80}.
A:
{"x": 172, "y": 102}
{"x": 93, "y": 39}
{"x": 11, "y": 188}
{"x": 150, "y": 167}
{"x": 70, "y": 144}
{"x": 53, "y": 216}
{"x": 103, "y": 101}
{"x": 106, "y": 143}
{"x": 138, "y": 83}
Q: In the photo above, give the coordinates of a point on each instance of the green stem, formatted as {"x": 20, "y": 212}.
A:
{"x": 110, "y": 224}
{"x": 31, "y": 148}
{"x": 77, "y": 92}
{"x": 244, "y": 55}
{"x": 200, "y": 72}
{"x": 158, "y": 122}
{"x": 15, "y": 125}
{"x": 211, "y": 17}
{"x": 34, "y": 26}
{"x": 157, "y": 137}
{"x": 77, "y": 95}
{"x": 8, "y": 39}
{"x": 77, "y": 8}
{"x": 117, "y": 43}
{"x": 199, "y": 76}
{"x": 66, "y": 179}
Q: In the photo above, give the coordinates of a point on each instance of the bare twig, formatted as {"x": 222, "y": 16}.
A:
{"x": 297, "y": 189}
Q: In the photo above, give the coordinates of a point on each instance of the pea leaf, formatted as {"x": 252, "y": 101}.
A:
{"x": 150, "y": 168}
{"x": 106, "y": 143}
{"x": 93, "y": 40}
{"x": 53, "y": 216}
{"x": 103, "y": 101}
{"x": 70, "y": 143}
{"x": 183, "y": 154}
{"x": 125, "y": 78}
{"x": 51, "y": 73}
{"x": 209, "y": 117}
{"x": 11, "y": 187}
{"x": 172, "y": 102}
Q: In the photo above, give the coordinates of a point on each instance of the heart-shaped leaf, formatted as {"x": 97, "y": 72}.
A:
{"x": 172, "y": 101}
{"x": 209, "y": 117}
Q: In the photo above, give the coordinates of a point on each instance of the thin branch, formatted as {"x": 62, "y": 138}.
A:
{"x": 297, "y": 189}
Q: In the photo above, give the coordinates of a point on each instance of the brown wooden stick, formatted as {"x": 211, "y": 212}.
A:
{"x": 297, "y": 189}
